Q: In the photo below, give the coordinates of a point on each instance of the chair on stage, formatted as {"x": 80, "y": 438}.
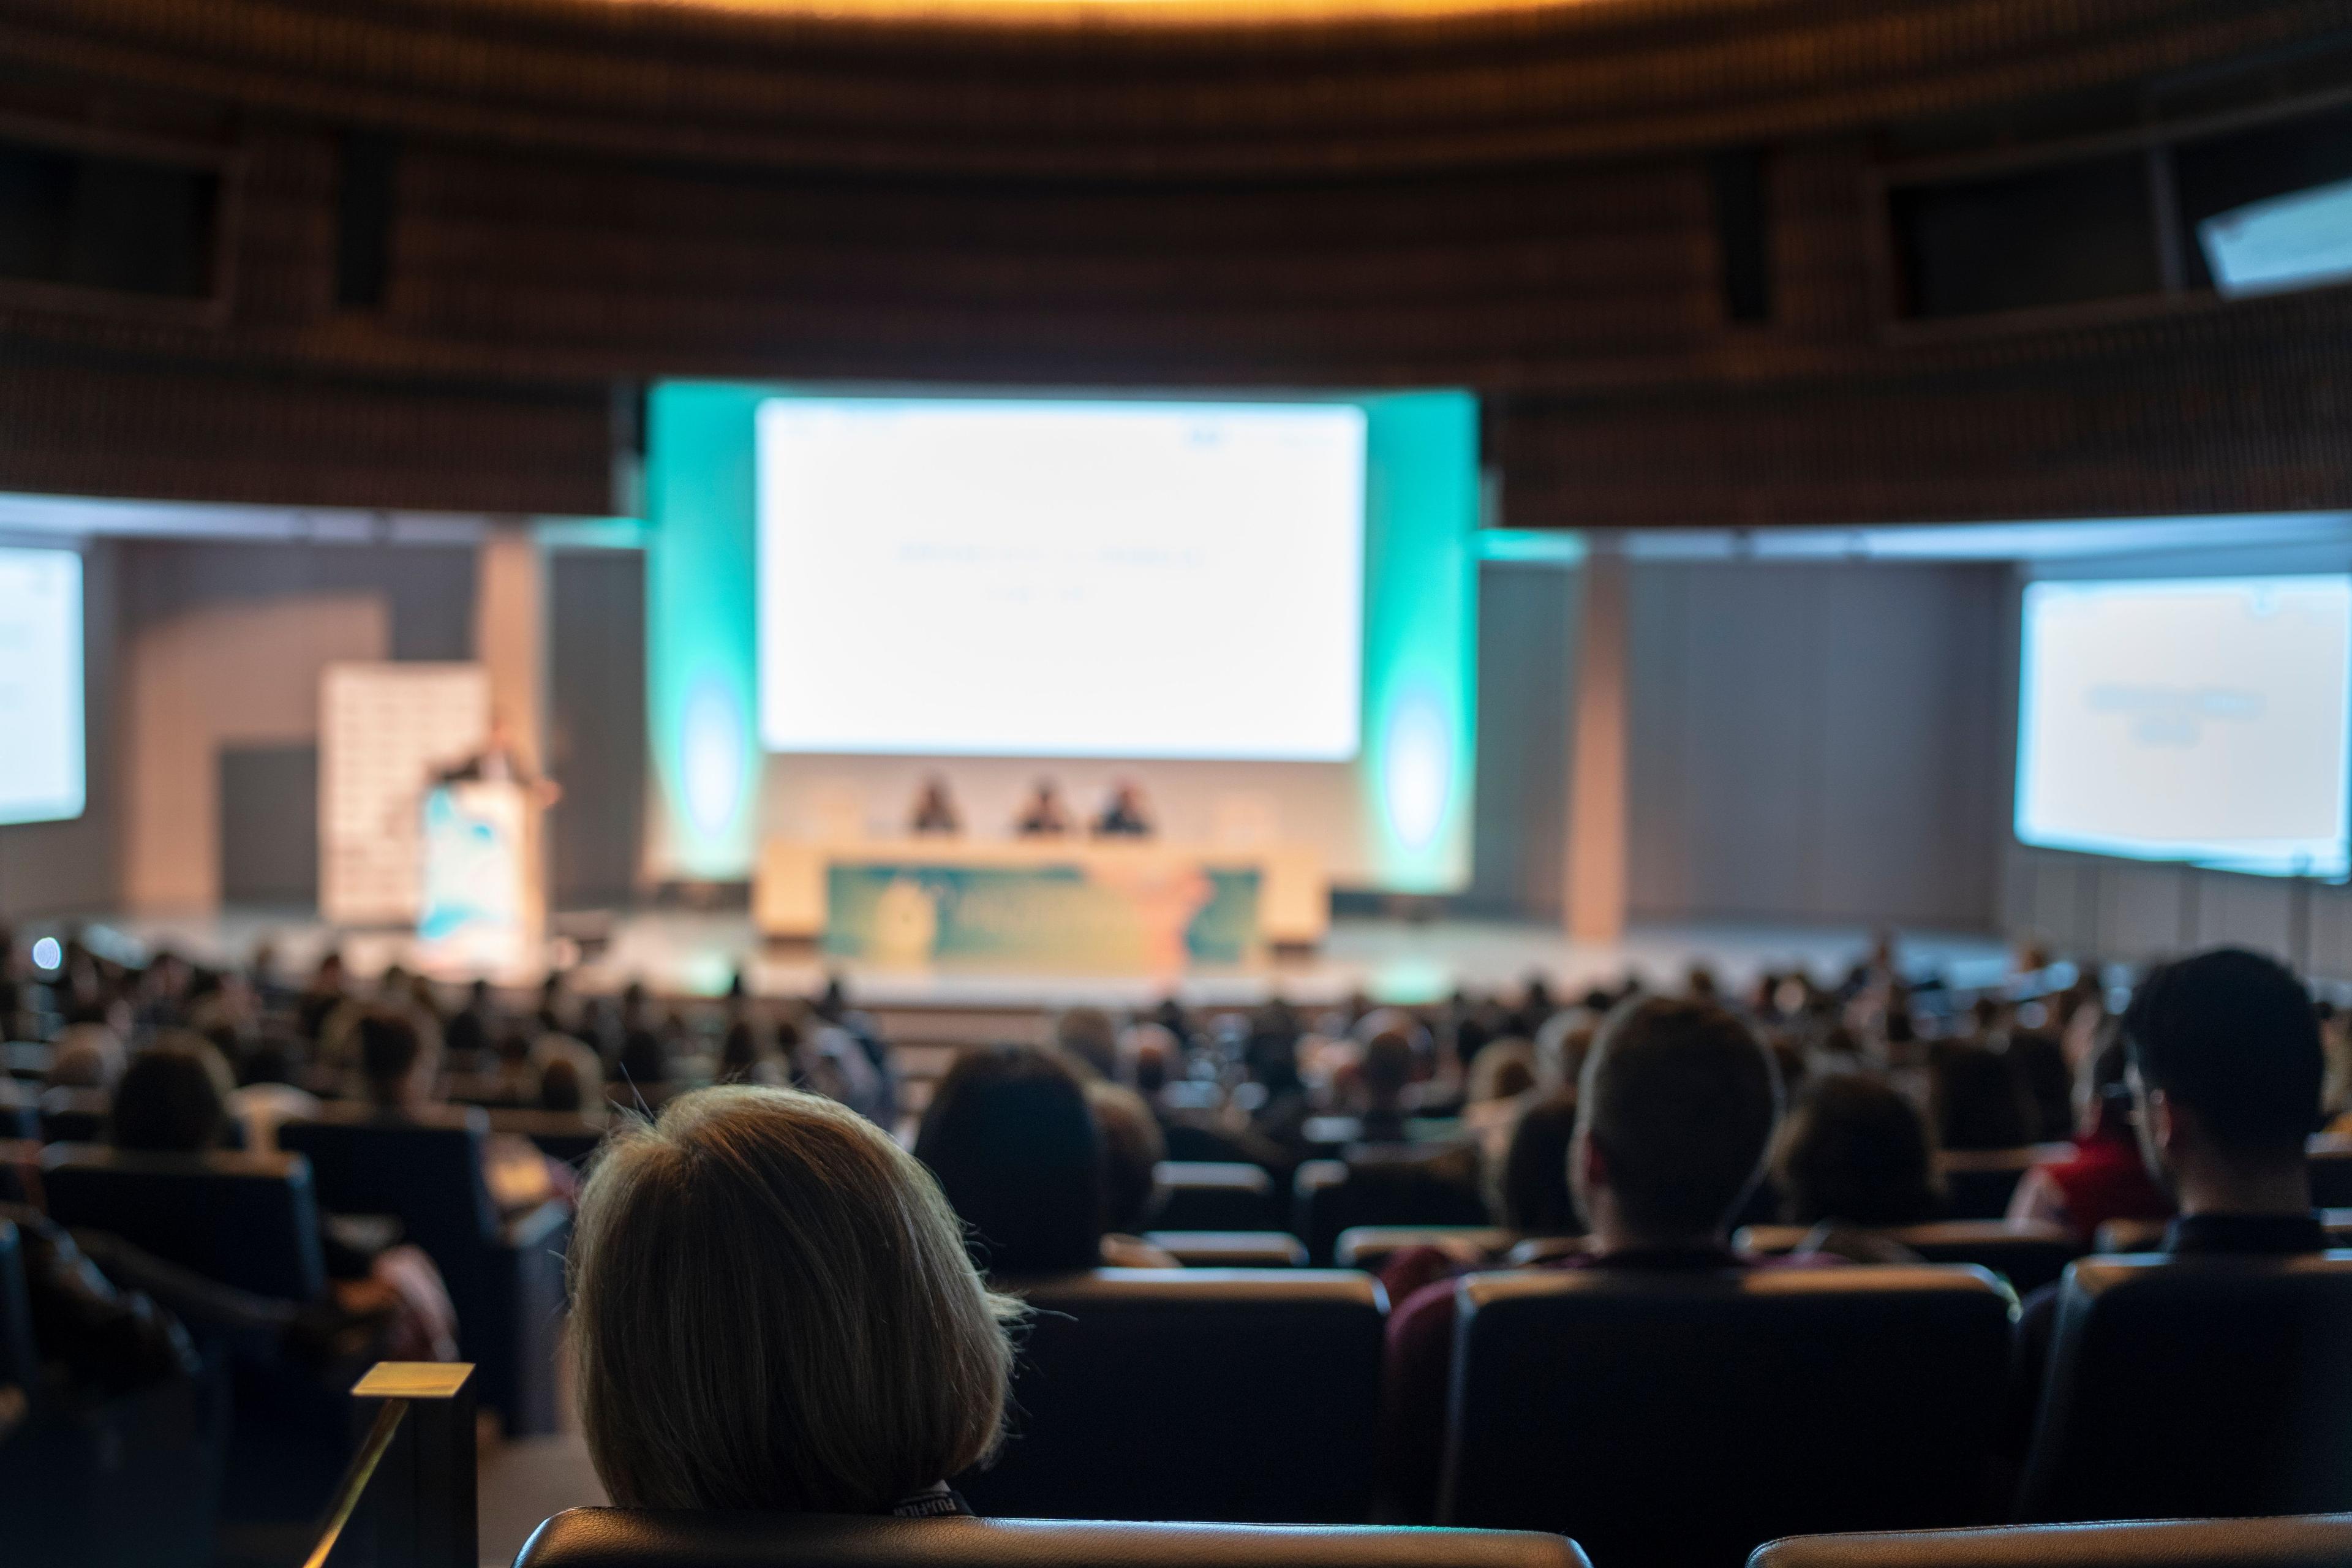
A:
{"x": 2210, "y": 1385}
{"x": 612, "y": 1538}
{"x": 504, "y": 1273}
{"x": 1681, "y": 1420}
{"x": 1244, "y": 1395}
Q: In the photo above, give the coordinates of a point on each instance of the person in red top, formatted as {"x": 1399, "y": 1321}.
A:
{"x": 2105, "y": 1176}
{"x": 1674, "y": 1116}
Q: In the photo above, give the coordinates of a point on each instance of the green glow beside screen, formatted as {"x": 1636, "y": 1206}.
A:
{"x": 1415, "y": 770}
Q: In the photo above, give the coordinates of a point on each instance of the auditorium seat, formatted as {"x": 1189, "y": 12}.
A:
{"x": 20, "y": 1172}
{"x": 1216, "y": 1196}
{"x": 559, "y": 1134}
{"x": 20, "y": 1363}
{"x": 504, "y": 1273}
{"x": 20, "y": 1110}
{"x": 2128, "y": 1236}
{"x": 1230, "y": 1248}
{"x": 629, "y": 1538}
{"x": 2205, "y": 1385}
{"x": 2307, "y": 1541}
{"x": 1401, "y": 1185}
{"x": 1681, "y": 1420}
{"x": 2331, "y": 1171}
{"x": 246, "y": 1220}
{"x": 1979, "y": 1182}
{"x": 1369, "y": 1246}
{"x": 1243, "y": 1395}
{"x": 74, "y": 1115}
{"x": 2028, "y": 1256}
{"x": 28, "y": 1060}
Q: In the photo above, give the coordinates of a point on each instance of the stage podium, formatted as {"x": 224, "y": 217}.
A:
{"x": 482, "y": 911}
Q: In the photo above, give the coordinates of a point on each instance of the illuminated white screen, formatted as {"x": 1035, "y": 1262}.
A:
{"x": 40, "y": 685}
{"x": 2202, "y": 721}
{"x": 972, "y": 577}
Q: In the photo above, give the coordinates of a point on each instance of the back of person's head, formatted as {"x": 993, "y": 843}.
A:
{"x": 1854, "y": 1150}
{"x": 1504, "y": 1070}
{"x": 1678, "y": 1106}
{"x": 396, "y": 1056}
{"x": 1974, "y": 1097}
{"x": 644, "y": 1057}
{"x": 1088, "y": 1037}
{"x": 2230, "y": 1036}
{"x": 1387, "y": 1069}
{"x": 86, "y": 1056}
{"x": 568, "y": 1078}
{"x": 171, "y": 1098}
{"x": 1010, "y": 1137}
{"x": 1535, "y": 1194}
{"x": 1133, "y": 1147}
{"x": 772, "y": 1309}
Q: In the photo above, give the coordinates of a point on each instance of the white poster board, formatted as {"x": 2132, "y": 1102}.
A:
{"x": 386, "y": 732}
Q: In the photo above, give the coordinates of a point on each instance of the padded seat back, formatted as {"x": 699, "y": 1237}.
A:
{"x": 2321, "y": 1541}
{"x": 246, "y": 1220}
{"x": 2216, "y": 1386}
{"x": 629, "y": 1538}
{"x": 2028, "y": 1256}
{"x": 1216, "y": 1196}
{"x": 559, "y": 1134}
{"x": 2331, "y": 1171}
{"x": 1979, "y": 1182}
{"x": 1233, "y": 1395}
{"x": 74, "y": 1115}
{"x": 20, "y": 1363}
{"x": 1230, "y": 1248}
{"x": 1681, "y": 1420}
{"x": 1403, "y": 1185}
{"x": 20, "y": 1110}
{"x": 1369, "y": 1246}
{"x": 425, "y": 1170}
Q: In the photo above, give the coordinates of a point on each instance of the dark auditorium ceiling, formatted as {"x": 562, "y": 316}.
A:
{"x": 436, "y": 245}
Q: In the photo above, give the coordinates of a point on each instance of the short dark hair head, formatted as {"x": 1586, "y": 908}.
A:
{"x": 1536, "y": 1197}
{"x": 1014, "y": 1147}
{"x": 1854, "y": 1150}
{"x": 172, "y": 1098}
{"x": 1133, "y": 1147}
{"x": 389, "y": 1046}
{"x": 2231, "y": 1036}
{"x": 1680, "y": 1099}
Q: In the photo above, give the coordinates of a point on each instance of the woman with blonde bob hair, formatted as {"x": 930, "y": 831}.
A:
{"x": 772, "y": 1309}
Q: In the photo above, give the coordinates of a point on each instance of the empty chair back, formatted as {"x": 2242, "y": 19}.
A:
{"x": 1369, "y": 1246}
{"x": 2208, "y": 1385}
{"x": 2322, "y": 1541}
{"x": 1385, "y": 1186}
{"x": 246, "y": 1220}
{"x": 1681, "y": 1420}
{"x": 1230, "y": 1248}
{"x": 2028, "y": 1255}
{"x": 73, "y": 1115}
{"x": 611, "y": 1537}
{"x": 1216, "y": 1196}
{"x": 563, "y": 1135}
{"x": 1979, "y": 1182}
{"x": 425, "y": 1169}
{"x": 2331, "y": 1171}
{"x": 1230, "y": 1394}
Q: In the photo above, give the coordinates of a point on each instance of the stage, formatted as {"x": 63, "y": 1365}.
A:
{"x": 691, "y": 953}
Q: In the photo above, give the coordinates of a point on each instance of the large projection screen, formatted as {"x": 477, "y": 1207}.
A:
{"x": 2202, "y": 721}
{"x": 40, "y": 686}
{"x": 1030, "y": 578}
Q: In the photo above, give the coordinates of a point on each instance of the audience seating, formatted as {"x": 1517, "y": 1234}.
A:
{"x": 1544, "y": 1248}
{"x": 1230, "y": 1248}
{"x": 559, "y": 1134}
{"x": 28, "y": 1059}
{"x": 1979, "y": 1182}
{"x": 2028, "y": 1256}
{"x": 20, "y": 1363}
{"x": 20, "y": 1110}
{"x": 1231, "y": 1395}
{"x": 2206, "y": 1386}
{"x": 1214, "y": 1196}
{"x": 20, "y": 1172}
{"x": 74, "y": 1115}
{"x": 1681, "y": 1420}
{"x": 2129, "y": 1236}
{"x": 613, "y": 1537}
{"x": 1369, "y": 1246}
{"x": 2323, "y": 1540}
{"x": 2331, "y": 1171}
{"x": 505, "y": 1275}
{"x": 246, "y": 1220}
{"x": 1387, "y": 1185}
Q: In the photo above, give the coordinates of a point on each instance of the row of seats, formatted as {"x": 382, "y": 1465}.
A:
{"x": 609, "y": 1538}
